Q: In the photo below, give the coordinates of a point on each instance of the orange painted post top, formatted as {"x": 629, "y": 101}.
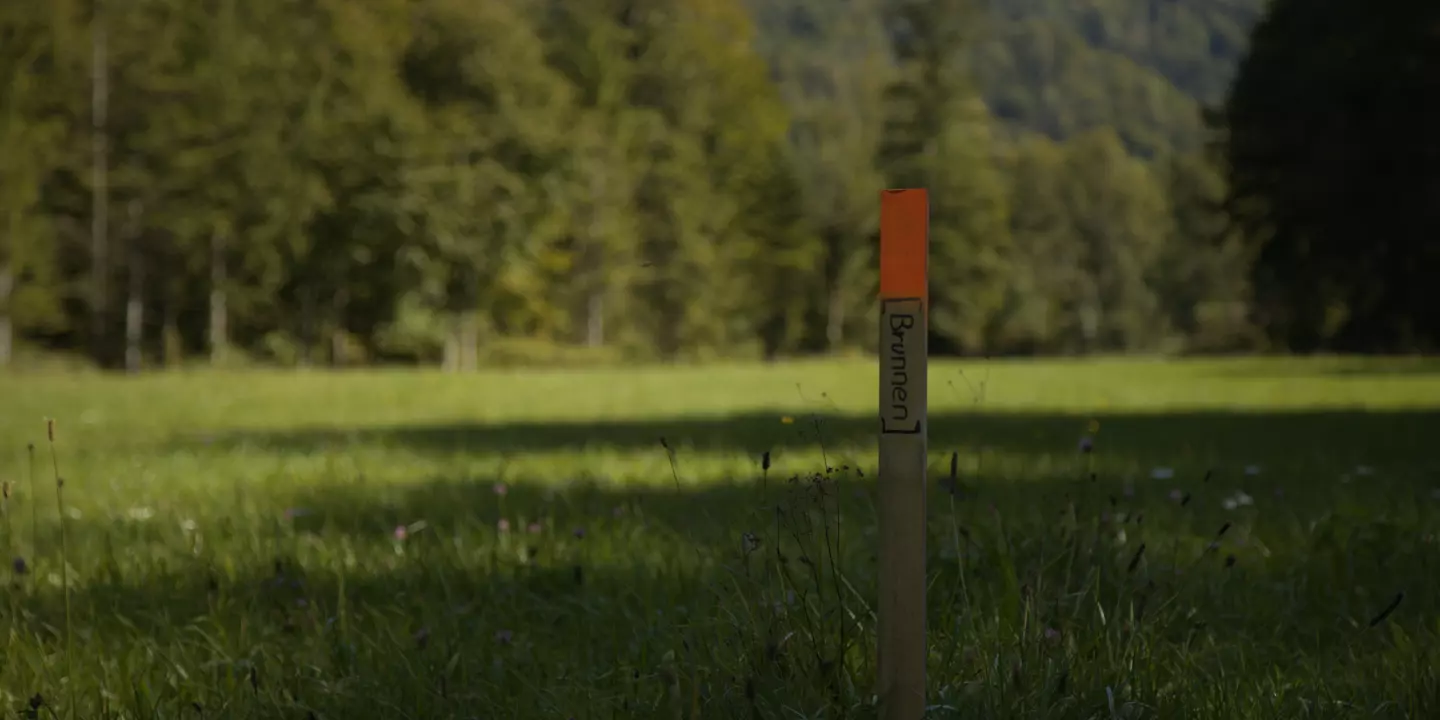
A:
{"x": 904, "y": 244}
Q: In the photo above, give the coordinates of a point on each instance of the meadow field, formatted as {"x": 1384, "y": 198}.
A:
{"x": 1244, "y": 539}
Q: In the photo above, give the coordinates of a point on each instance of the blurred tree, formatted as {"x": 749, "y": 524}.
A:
{"x": 1203, "y": 271}
{"x": 1044, "y": 77}
{"x": 31, "y": 126}
{"x": 599, "y": 266}
{"x": 438, "y": 180}
{"x": 1121, "y": 219}
{"x": 1038, "y": 315}
{"x": 481, "y": 183}
{"x": 1332, "y": 158}
{"x": 832, "y": 71}
{"x": 938, "y": 136}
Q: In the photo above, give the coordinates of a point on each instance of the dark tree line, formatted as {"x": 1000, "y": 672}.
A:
{"x": 1333, "y": 153}
{"x": 344, "y": 181}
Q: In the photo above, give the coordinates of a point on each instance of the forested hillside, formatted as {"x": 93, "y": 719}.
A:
{"x": 346, "y": 181}
{"x": 1062, "y": 67}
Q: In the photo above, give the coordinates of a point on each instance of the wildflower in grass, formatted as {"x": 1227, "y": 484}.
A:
{"x": 787, "y": 420}
{"x": 579, "y": 533}
{"x": 1177, "y": 495}
{"x": 1052, "y": 634}
{"x": 501, "y": 489}
{"x": 504, "y": 637}
{"x": 141, "y": 514}
{"x": 401, "y": 532}
{"x": 1162, "y": 473}
{"x": 1094, "y": 426}
{"x": 1086, "y": 444}
{"x": 502, "y": 525}
{"x": 19, "y": 566}
{"x": 534, "y": 528}
{"x": 1238, "y": 500}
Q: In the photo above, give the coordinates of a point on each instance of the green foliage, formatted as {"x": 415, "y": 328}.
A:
{"x": 418, "y": 180}
{"x": 1332, "y": 165}
{"x": 939, "y": 137}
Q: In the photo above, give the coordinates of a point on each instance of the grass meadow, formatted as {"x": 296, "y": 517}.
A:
{"x": 1246, "y": 539}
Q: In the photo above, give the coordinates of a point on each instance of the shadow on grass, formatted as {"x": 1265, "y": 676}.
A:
{"x": 576, "y": 595}
{"x": 1376, "y": 437}
{"x": 483, "y": 528}
{"x": 573, "y": 596}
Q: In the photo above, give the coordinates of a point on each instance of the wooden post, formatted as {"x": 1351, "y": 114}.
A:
{"x": 904, "y": 300}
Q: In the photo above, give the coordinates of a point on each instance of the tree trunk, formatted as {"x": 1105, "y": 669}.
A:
{"x": 100, "y": 191}
{"x": 219, "y": 315}
{"x": 834, "y": 272}
{"x": 171, "y": 346}
{"x": 135, "y": 310}
{"x": 339, "y": 356}
{"x": 339, "y": 351}
{"x": 835, "y": 319}
{"x": 595, "y": 319}
{"x": 468, "y": 340}
{"x": 307, "y": 326}
{"x": 7, "y": 327}
{"x": 469, "y": 330}
{"x": 593, "y": 262}
{"x": 450, "y": 360}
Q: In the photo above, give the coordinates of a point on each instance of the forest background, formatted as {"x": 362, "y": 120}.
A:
{"x": 344, "y": 182}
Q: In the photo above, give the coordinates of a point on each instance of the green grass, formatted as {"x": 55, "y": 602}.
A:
{"x": 231, "y": 543}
